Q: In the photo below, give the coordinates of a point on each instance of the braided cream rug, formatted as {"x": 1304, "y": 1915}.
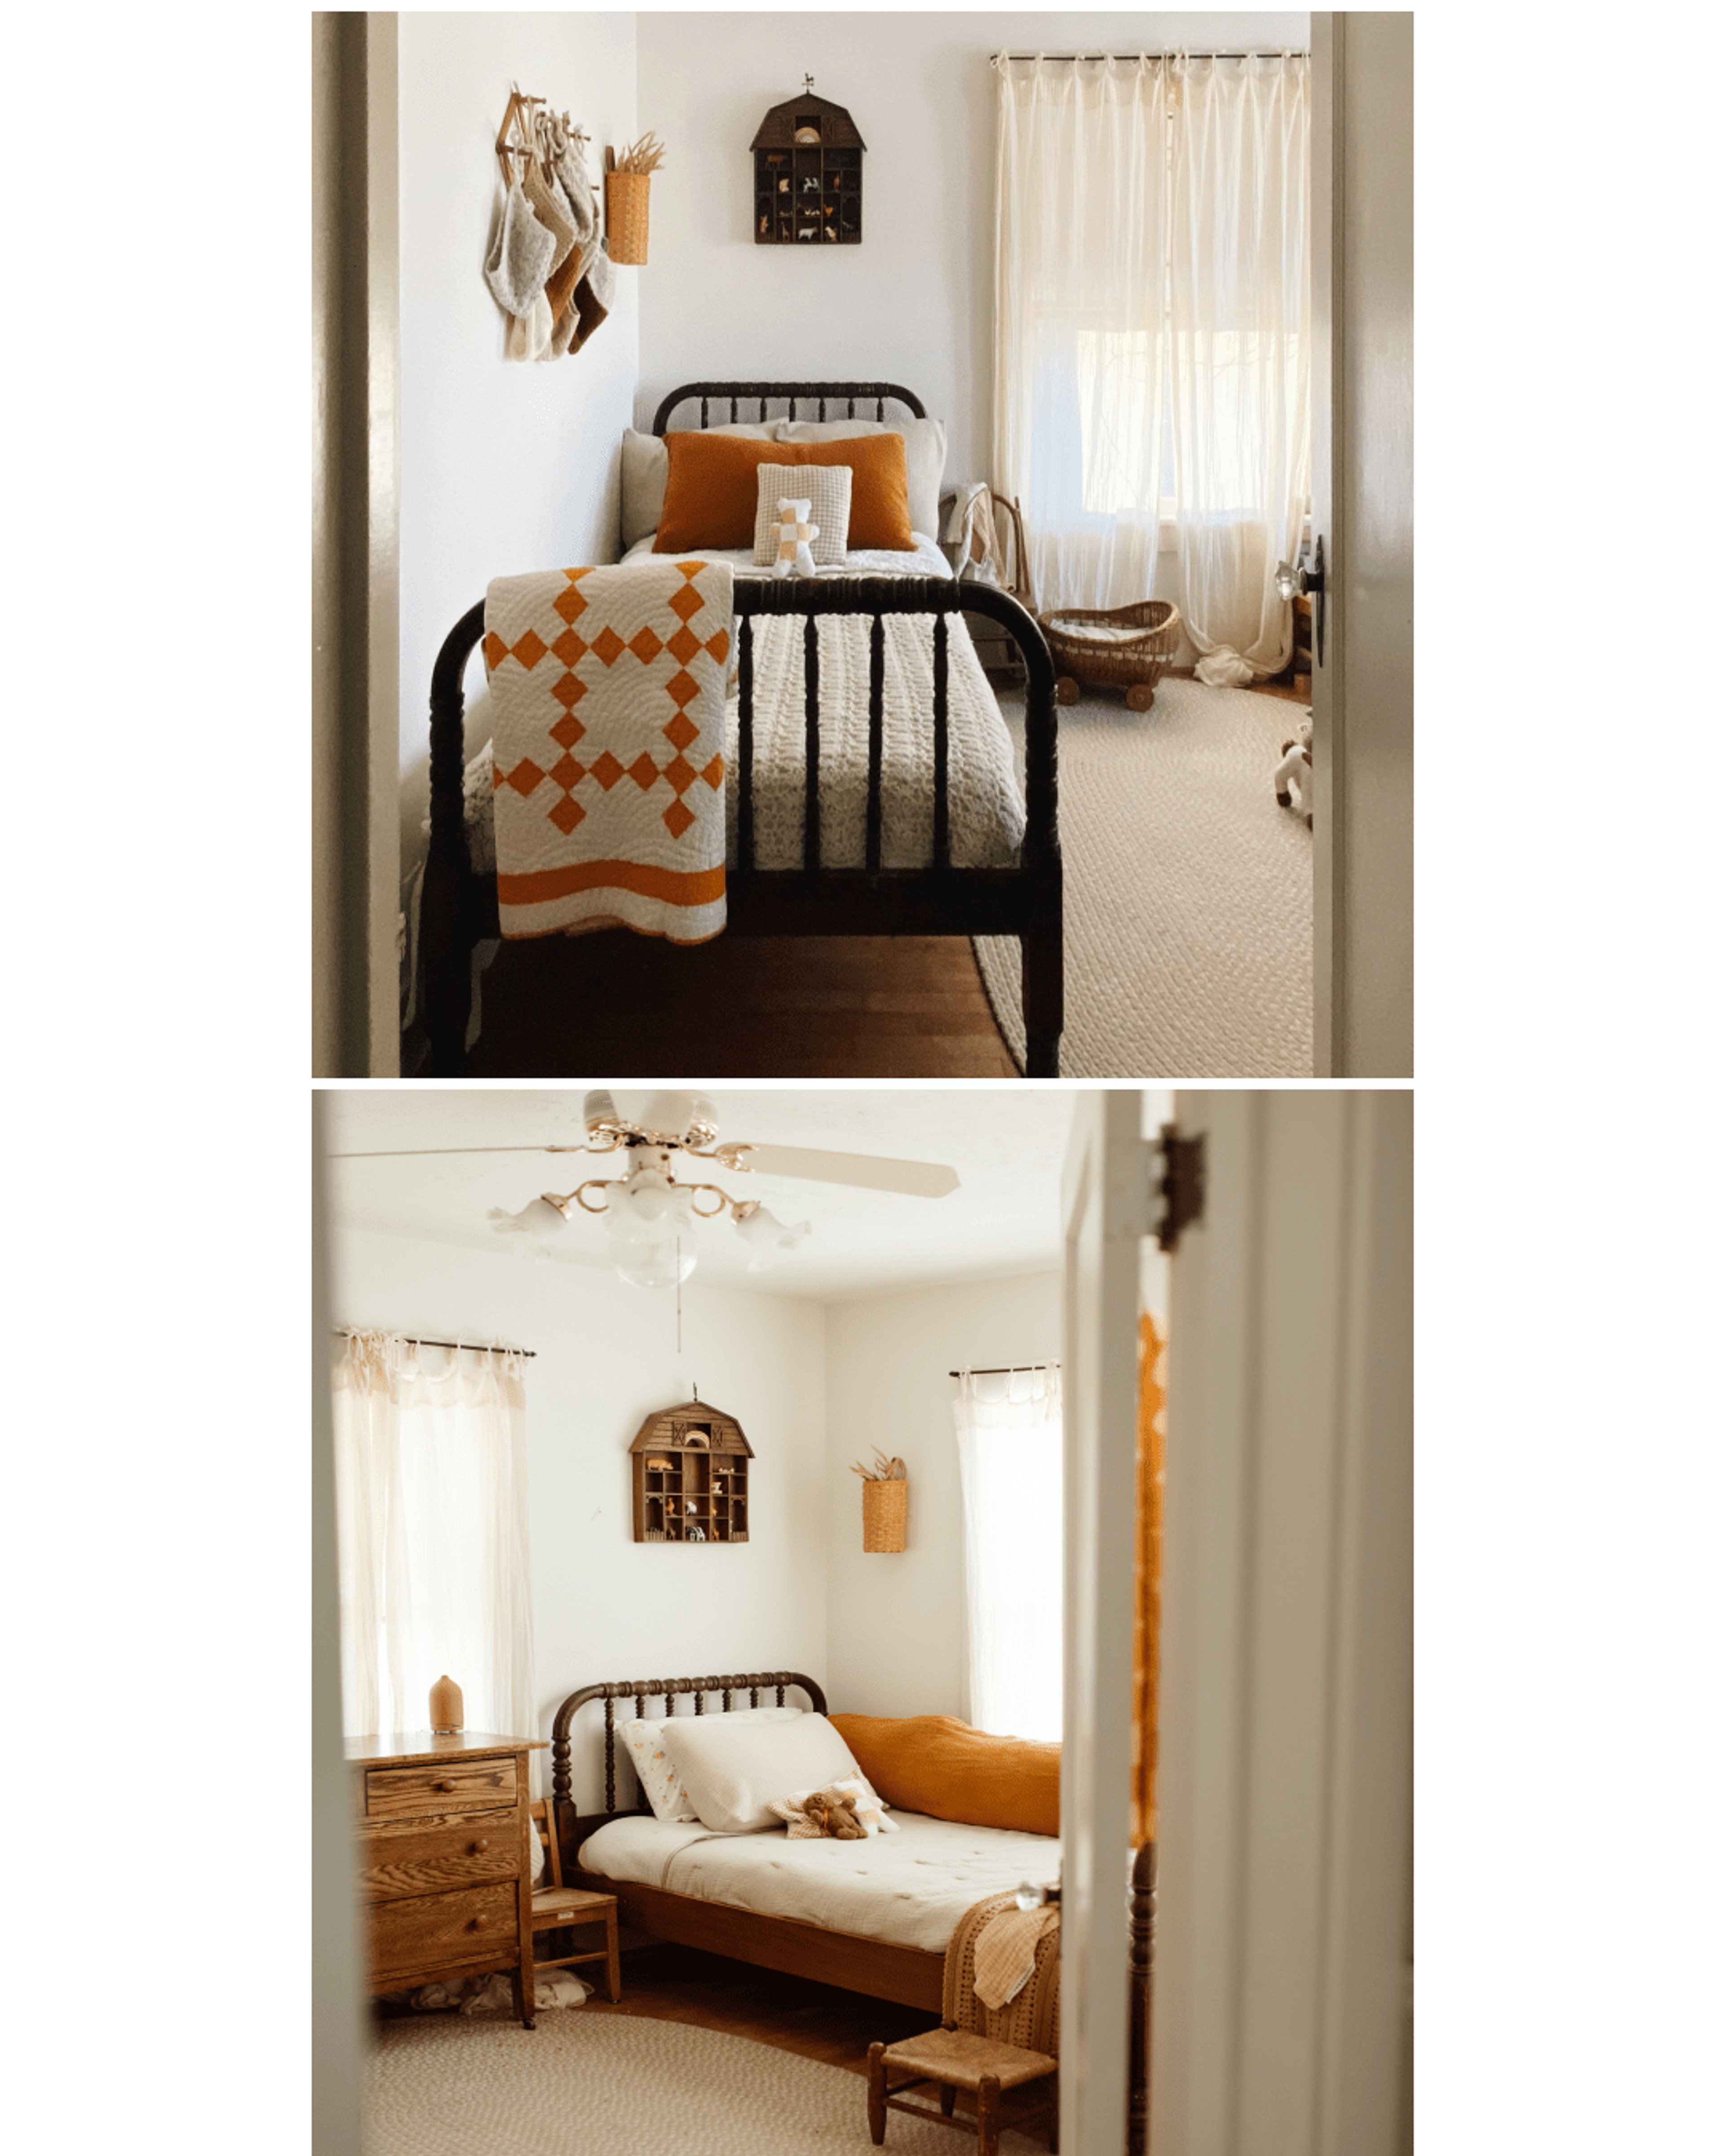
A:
{"x": 1188, "y": 891}
{"x": 580, "y": 2083}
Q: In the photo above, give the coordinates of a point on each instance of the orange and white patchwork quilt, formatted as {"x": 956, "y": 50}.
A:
{"x": 607, "y": 693}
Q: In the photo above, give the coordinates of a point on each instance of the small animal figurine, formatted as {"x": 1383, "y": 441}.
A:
{"x": 796, "y": 554}
{"x": 1295, "y": 770}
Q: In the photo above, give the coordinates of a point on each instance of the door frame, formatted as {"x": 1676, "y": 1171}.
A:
{"x": 1283, "y": 1994}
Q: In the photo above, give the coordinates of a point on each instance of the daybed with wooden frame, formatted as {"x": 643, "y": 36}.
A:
{"x": 459, "y": 905}
{"x": 845, "y": 1958}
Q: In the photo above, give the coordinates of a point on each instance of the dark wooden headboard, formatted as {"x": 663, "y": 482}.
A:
{"x": 790, "y": 394}
{"x": 640, "y": 1690}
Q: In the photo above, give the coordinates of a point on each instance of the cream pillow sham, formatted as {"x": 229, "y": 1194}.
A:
{"x": 732, "y": 1774}
{"x": 643, "y": 1739}
{"x": 924, "y": 457}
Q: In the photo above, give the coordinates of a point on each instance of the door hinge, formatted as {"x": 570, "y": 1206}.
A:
{"x": 1176, "y": 1185}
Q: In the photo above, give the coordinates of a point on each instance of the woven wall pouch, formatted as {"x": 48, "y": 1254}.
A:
{"x": 520, "y": 256}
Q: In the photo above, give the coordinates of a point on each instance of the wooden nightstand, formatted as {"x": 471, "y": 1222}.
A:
{"x": 444, "y": 1842}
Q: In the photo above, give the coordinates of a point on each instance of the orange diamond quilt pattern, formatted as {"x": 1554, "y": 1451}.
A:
{"x": 577, "y": 849}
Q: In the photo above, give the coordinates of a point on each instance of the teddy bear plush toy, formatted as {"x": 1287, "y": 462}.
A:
{"x": 795, "y": 536}
{"x": 834, "y": 1815}
{"x": 1295, "y": 770}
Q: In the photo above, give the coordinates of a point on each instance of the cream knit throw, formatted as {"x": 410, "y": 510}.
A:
{"x": 1006, "y": 1952}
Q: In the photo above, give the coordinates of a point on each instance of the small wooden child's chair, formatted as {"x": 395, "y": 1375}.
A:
{"x": 556, "y": 1907}
{"x": 974, "y": 2048}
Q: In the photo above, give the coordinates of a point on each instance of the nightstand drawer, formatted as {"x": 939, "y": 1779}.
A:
{"x": 398, "y": 1860}
{"x": 458, "y": 1785}
{"x": 445, "y": 1930}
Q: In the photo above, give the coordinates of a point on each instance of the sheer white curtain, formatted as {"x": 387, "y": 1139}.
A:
{"x": 1151, "y": 333}
{"x": 1240, "y": 305}
{"x": 1080, "y": 306}
{"x": 431, "y": 1493}
{"x": 1009, "y": 1468}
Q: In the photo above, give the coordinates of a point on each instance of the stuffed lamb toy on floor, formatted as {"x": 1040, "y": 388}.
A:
{"x": 1295, "y": 770}
{"x": 796, "y": 535}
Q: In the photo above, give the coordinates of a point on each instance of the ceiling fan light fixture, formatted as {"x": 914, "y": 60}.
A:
{"x": 768, "y": 1238}
{"x": 651, "y": 1262}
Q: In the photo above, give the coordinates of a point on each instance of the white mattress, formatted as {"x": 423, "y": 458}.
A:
{"x": 908, "y": 1889}
{"x": 986, "y": 808}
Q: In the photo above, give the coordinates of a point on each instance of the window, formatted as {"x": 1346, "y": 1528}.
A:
{"x": 1010, "y": 1469}
{"x": 431, "y": 1493}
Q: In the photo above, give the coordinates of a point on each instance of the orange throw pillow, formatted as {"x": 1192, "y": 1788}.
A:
{"x": 709, "y": 492}
{"x": 935, "y": 1765}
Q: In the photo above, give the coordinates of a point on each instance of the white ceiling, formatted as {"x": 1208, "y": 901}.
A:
{"x": 1006, "y": 1142}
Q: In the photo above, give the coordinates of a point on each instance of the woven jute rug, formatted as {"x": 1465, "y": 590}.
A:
{"x": 580, "y": 2083}
{"x": 1188, "y": 891}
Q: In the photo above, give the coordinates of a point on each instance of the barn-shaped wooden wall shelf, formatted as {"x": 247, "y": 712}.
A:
{"x": 691, "y": 1476}
{"x": 808, "y": 176}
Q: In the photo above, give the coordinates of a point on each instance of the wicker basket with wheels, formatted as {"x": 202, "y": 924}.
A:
{"x": 1130, "y": 647}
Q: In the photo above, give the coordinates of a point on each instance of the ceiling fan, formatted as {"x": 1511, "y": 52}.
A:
{"x": 648, "y": 1211}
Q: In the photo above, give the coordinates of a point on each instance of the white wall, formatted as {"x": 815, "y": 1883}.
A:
{"x": 914, "y": 302}
{"x": 604, "y": 1606}
{"x": 505, "y": 467}
{"x": 895, "y": 1622}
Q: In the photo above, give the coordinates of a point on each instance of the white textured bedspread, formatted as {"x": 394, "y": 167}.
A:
{"x": 908, "y": 1889}
{"x": 986, "y": 808}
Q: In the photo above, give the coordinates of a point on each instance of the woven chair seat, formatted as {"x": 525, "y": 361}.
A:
{"x": 570, "y": 1901}
{"x": 957, "y": 2056}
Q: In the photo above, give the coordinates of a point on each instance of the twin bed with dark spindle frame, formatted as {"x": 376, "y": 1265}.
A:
{"x": 458, "y": 907}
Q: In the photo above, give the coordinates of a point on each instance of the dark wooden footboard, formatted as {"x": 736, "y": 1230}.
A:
{"x": 458, "y": 909}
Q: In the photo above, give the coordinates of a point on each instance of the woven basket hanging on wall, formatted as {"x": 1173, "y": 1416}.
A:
{"x": 626, "y": 215}
{"x": 886, "y": 1508}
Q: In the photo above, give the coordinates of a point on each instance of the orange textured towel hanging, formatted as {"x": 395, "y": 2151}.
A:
{"x": 1147, "y": 1603}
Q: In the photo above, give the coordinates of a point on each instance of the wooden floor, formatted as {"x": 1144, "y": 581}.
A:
{"x": 668, "y": 1982}
{"x": 739, "y": 1007}
{"x": 747, "y": 1007}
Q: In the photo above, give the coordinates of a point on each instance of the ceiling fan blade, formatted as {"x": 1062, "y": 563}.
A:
{"x": 432, "y": 1152}
{"x": 913, "y": 1178}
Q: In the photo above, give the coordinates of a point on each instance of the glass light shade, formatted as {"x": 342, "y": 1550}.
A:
{"x": 768, "y": 1238}
{"x": 598, "y": 1111}
{"x": 647, "y": 1199}
{"x": 647, "y": 1264}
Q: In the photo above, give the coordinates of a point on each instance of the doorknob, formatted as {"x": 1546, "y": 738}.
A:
{"x": 1290, "y": 580}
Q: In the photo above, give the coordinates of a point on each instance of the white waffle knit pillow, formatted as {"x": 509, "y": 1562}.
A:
{"x": 827, "y": 490}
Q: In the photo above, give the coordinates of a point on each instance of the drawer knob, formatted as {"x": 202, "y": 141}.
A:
{"x": 446, "y": 1785}
{"x": 480, "y": 1847}
{"x": 480, "y": 1922}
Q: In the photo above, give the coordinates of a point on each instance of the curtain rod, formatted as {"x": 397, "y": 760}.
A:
{"x": 472, "y": 1347}
{"x": 1011, "y": 1373}
{"x": 1287, "y": 53}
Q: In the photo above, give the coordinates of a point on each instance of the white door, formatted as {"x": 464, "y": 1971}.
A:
{"x": 1363, "y": 509}
{"x": 1105, "y": 1201}
{"x": 1283, "y": 1950}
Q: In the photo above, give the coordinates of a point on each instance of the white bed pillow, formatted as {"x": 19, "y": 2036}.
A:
{"x": 732, "y": 1774}
{"x": 646, "y": 467}
{"x": 658, "y": 1780}
{"x": 825, "y": 487}
{"x": 924, "y": 457}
